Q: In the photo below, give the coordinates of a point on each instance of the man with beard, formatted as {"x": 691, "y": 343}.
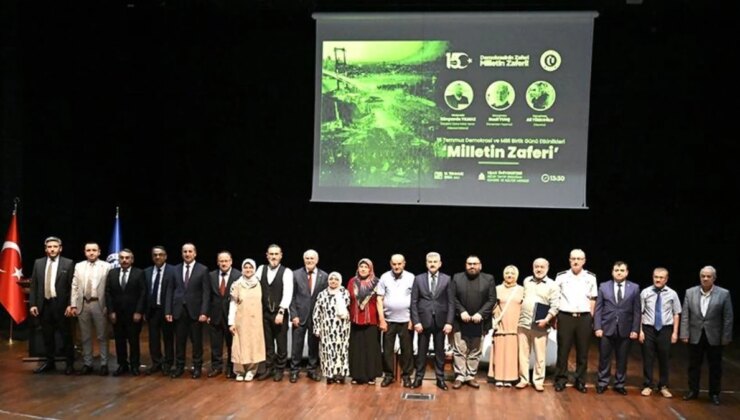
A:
{"x": 475, "y": 295}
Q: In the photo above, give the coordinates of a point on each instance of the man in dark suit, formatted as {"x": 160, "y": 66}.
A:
{"x": 50, "y": 298}
{"x": 187, "y": 306}
{"x": 475, "y": 293}
{"x": 308, "y": 282}
{"x": 125, "y": 293}
{"x": 432, "y": 313}
{"x": 706, "y": 325}
{"x": 616, "y": 323}
{"x": 159, "y": 278}
{"x": 220, "y": 281}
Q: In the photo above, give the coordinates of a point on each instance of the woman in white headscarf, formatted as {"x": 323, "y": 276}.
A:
{"x": 331, "y": 325}
{"x": 245, "y": 322}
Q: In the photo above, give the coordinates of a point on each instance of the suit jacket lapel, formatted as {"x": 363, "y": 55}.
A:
{"x": 316, "y": 284}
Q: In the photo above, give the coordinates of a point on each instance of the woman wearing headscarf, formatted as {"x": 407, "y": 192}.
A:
{"x": 331, "y": 326}
{"x": 364, "y": 340}
{"x": 503, "y": 368}
{"x": 245, "y": 322}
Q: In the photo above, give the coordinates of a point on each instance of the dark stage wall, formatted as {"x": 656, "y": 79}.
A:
{"x": 196, "y": 118}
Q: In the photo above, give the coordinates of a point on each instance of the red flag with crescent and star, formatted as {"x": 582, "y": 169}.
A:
{"x": 11, "y": 271}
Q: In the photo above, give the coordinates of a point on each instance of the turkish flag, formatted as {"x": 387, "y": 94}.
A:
{"x": 11, "y": 271}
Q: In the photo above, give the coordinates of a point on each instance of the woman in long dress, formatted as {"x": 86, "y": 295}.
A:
{"x": 503, "y": 368}
{"x": 331, "y": 326}
{"x": 364, "y": 339}
{"x": 245, "y": 323}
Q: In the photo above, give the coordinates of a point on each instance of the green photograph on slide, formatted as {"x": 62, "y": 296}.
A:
{"x": 379, "y": 113}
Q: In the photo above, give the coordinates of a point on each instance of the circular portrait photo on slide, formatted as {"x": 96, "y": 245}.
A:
{"x": 540, "y": 95}
{"x": 500, "y": 95}
{"x": 458, "y": 95}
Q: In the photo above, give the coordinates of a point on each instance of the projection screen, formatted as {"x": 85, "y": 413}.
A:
{"x": 467, "y": 109}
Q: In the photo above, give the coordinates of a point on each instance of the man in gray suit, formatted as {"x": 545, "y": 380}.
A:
{"x": 308, "y": 282}
{"x": 475, "y": 295}
{"x": 51, "y": 290}
{"x": 706, "y": 325}
{"x": 88, "y": 304}
{"x": 616, "y": 323}
{"x": 432, "y": 313}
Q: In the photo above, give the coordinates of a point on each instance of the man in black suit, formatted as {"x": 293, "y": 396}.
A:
{"x": 159, "y": 278}
{"x": 432, "y": 313}
{"x": 51, "y": 291}
{"x": 220, "y": 281}
{"x": 616, "y": 323}
{"x": 308, "y": 282}
{"x": 475, "y": 293}
{"x": 187, "y": 306}
{"x": 125, "y": 293}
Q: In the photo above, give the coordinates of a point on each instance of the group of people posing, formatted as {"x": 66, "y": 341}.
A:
{"x": 249, "y": 312}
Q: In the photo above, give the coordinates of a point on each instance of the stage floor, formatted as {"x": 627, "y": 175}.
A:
{"x": 26, "y": 395}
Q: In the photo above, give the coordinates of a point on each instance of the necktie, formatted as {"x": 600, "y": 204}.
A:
{"x": 620, "y": 296}
{"x": 434, "y": 283}
{"x": 47, "y": 279}
{"x": 222, "y": 286}
{"x": 658, "y": 310}
{"x": 123, "y": 278}
{"x": 187, "y": 275}
{"x": 88, "y": 280}
{"x": 310, "y": 282}
{"x": 155, "y": 289}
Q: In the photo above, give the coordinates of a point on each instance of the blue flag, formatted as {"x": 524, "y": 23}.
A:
{"x": 115, "y": 243}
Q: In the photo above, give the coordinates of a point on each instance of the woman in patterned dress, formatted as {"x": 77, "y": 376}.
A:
{"x": 331, "y": 326}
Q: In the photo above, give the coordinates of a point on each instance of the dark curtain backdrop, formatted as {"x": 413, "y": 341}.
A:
{"x": 196, "y": 118}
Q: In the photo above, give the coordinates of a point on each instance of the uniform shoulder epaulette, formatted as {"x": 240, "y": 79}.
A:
{"x": 591, "y": 273}
{"x": 562, "y": 273}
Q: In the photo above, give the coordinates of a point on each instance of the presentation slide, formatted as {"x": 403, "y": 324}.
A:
{"x": 467, "y": 109}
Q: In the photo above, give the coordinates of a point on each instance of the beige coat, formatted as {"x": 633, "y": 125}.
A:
{"x": 245, "y": 313}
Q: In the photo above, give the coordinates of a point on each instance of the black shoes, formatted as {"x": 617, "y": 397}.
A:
{"x": 407, "y": 382}
{"x": 264, "y": 375}
{"x": 581, "y": 387}
{"x": 104, "y": 370}
{"x": 153, "y": 369}
{"x": 600, "y": 389}
{"x": 293, "y": 377}
{"x": 135, "y": 371}
{"x": 86, "y": 370}
{"x": 179, "y": 371}
{"x": 440, "y": 384}
{"x": 277, "y": 376}
{"x": 45, "y": 367}
{"x": 620, "y": 390}
{"x": 314, "y": 375}
{"x": 417, "y": 382}
{"x": 715, "y": 399}
{"x": 214, "y": 372}
{"x": 691, "y": 395}
{"x": 120, "y": 371}
{"x": 559, "y": 386}
{"x": 197, "y": 372}
{"x": 387, "y": 380}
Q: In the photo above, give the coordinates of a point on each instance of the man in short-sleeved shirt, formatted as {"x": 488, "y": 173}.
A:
{"x": 575, "y": 316}
{"x": 394, "y": 296}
